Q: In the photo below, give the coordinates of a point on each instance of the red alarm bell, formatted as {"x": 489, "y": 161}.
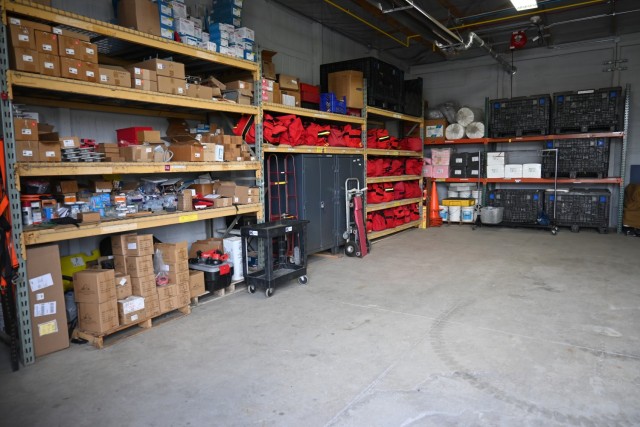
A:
{"x": 518, "y": 40}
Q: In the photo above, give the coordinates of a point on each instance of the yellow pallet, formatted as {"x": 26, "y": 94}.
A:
{"x": 458, "y": 202}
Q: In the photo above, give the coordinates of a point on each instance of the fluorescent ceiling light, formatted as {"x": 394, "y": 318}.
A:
{"x": 525, "y": 4}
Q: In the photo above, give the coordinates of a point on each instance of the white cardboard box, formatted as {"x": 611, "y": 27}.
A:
{"x": 495, "y": 158}
{"x": 495, "y": 171}
{"x": 513, "y": 171}
{"x": 532, "y": 170}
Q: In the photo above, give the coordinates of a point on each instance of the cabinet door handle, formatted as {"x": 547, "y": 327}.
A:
{"x": 321, "y": 205}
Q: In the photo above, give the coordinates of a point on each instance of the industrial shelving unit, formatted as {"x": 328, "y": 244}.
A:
{"x": 35, "y": 89}
{"x": 374, "y": 112}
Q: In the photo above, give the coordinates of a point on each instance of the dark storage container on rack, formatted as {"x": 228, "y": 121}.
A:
{"x": 584, "y": 208}
{"x": 578, "y": 158}
{"x": 385, "y": 82}
{"x": 520, "y": 206}
{"x": 528, "y": 115}
{"x": 588, "y": 110}
{"x": 413, "y": 97}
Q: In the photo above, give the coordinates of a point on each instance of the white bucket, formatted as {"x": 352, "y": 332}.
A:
{"x": 467, "y": 214}
{"x": 444, "y": 213}
{"x": 452, "y": 194}
{"x": 454, "y": 213}
{"x": 465, "y": 194}
{"x": 477, "y": 194}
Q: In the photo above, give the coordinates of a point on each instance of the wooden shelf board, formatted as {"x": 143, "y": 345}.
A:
{"x": 47, "y": 235}
{"x": 601, "y": 181}
{"x": 108, "y": 168}
{"x": 393, "y": 153}
{"x": 516, "y": 139}
{"x": 393, "y": 115}
{"x": 394, "y": 204}
{"x": 378, "y": 234}
{"x": 377, "y": 179}
{"x": 306, "y": 112}
{"x": 306, "y": 149}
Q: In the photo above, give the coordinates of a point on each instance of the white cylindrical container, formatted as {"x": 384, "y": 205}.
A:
{"x": 466, "y": 115}
{"x": 465, "y": 194}
{"x": 467, "y": 214}
{"x": 454, "y": 213}
{"x": 474, "y": 130}
{"x": 452, "y": 193}
{"x": 454, "y": 131}
{"x": 444, "y": 213}
{"x": 233, "y": 246}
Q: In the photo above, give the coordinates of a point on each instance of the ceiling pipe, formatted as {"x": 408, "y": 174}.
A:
{"x": 460, "y": 44}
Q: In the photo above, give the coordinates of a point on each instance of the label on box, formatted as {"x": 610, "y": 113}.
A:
{"x": 90, "y": 51}
{"x": 122, "y": 282}
{"x": 48, "y": 328}
{"x": 196, "y": 155}
{"x": 138, "y": 82}
{"x": 23, "y": 37}
{"x": 48, "y": 65}
{"x": 137, "y": 71}
{"x": 68, "y": 142}
{"x": 49, "y": 153}
{"x": 77, "y": 261}
{"x": 180, "y": 90}
{"x": 90, "y": 74}
{"x": 73, "y": 70}
{"x": 147, "y": 150}
{"x": 70, "y": 51}
{"x": 160, "y": 66}
{"x": 14, "y": 21}
{"x": 132, "y": 246}
{"x": 26, "y": 131}
{"x": 134, "y": 317}
{"x": 44, "y": 309}
{"x": 27, "y": 58}
{"x": 41, "y": 282}
{"x": 27, "y": 153}
{"x": 104, "y": 78}
{"x": 47, "y": 47}
{"x": 39, "y": 296}
{"x": 57, "y": 31}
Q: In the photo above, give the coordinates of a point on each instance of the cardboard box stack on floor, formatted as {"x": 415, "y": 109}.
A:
{"x": 176, "y": 266}
{"x": 95, "y": 296}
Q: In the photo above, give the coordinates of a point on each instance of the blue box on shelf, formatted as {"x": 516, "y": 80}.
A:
{"x": 331, "y": 104}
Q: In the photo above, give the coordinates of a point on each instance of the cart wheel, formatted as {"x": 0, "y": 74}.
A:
{"x": 575, "y": 229}
{"x": 268, "y": 292}
{"x": 554, "y": 231}
{"x": 345, "y": 235}
{"x": 251, "y": 289}
{"x": 351, "y": 249}
{"x": 303, "y": 280}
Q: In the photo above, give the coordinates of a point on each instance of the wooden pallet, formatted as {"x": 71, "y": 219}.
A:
{"x": 106, "y": 339}
{"x": 210, "y": 296}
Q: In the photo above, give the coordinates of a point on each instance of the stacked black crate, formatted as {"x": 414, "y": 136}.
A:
{"x": 385, "y": 82}
{"x": 473, "y": 165}
{"x": 412, "y": 99}
{"x": 520, "y": 206}
{"x": 578, "y": 158}
{"x": 529, "y": 115}
{"x": 579, "y": 208}
{"x": 458, "y": 165}
{"x": 588, "y": 110}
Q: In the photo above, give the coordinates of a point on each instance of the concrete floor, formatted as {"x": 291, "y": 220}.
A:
{"x": 438, "y": 327}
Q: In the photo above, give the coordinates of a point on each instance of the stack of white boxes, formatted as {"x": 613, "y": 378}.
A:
{"x": 495, "y": 164}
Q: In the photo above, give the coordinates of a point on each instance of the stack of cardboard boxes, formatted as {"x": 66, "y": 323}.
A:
{"x": 278, "y": 88}
{"x": 176, "y": 293}
{"x": 95, "y": 296}
{"x": 239, "y": 91}
{"x": 35, "y": 142}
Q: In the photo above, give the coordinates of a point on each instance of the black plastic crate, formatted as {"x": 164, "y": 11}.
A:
{"x": 588, "y": 110}
{"x": 520, "y": 206}
{"x": 528, "y": 115}
{"x": 585, "y": 208}
{"x": 385, "y": 82}
{"x": 578, "y": 158}
{"x": 413, "y": 97}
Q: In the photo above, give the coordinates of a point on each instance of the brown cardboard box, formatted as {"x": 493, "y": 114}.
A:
{"x": 25, "y": 129}
{"x": 114, "y": 76}
{"x": 349, "y": 84}
{"x": 46, "y": 42}
{"x": 86, "y": 217}
{"x": 179, "y": 277}
{"x": 239, "y": 85}
{"x": 268, "y": 67}
{"x": 206, "y": 92}
{"x": 185, "y": 201}
{"x": 226, "y": 188}
{"x": 163, "y": 67}
{"x": 22, "y": 32}
{"x": 46, "y": 300}
{"x": 290, "y": 98}
{"x": 167, "y": 291}
{"x": 173, "y": 252}
{"x": 144, "y": 286}
{"x": 288, "y": 82}
{"x": 133, "y": 317}
{"x": 71, "y": 47}
{"x": 98, "y": 318}
{"x": 71, "y": 69}
{"x": 142, "y": 73}
{"x": 103, "y": 187}
{"x": 27, "y": 151}
{"x": 210, "y": 244}
{"x": 177, "y": 266}
{"x": 139, "y": 266}
{"x": 89, "y": 52}
{"x": 70, "y": 142}
{"x": 140, "y": 245}
{"x": 94, "y": 285}
{"x": 124, "y": 288}
{"x": 141, "y": 84}
{"x": 91, "y": 72}
{"x": 241, "y": 96}
{"x": 203, "y": 189}
{"x": 171, "y": 85}
{"x": 137, "y": 153}
{"x": 49, "y": 151}
{"x": 119, "y": 243}
{"x": 150, "y": 136}
{"x": 152, "y": 305}
{"x": 244, "y": 200}
{"x": 187, "y": 152}
{"x": 49, "y": 64}
{"x": 70, "y": 33}
{"x": 222, "y": 202}
{"x": 196, "y": 283}
{"x": 67, "y": 186}
{"x": 169, "y": 304}
{"x": 26, "y": 60}
{"x": 131, "y": 310}
{"x": 142, "y": 15}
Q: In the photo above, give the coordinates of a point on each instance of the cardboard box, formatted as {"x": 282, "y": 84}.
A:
{"x": 239, "y": 84}
{"x": 244, "y": 200}
{"x": 144, "y": 286}
{"x": 150, "y": 136}
{"x": 187, "y": 152}
{"x": 87, "y": 217}
{"x": 98, "y": 318}
{"x": 46, "y": 300}
{"x": 139, "y": 266}
{"x": 114, "y": 76}
{"x": 152, "y": 305}
{"x": 70, "y": 33}
{"x": 349, "y": 84}
{"x": 167, "y": 291}
{"x": 142, "y": 73}
{"x": 137, "y": 153}
{"x": 164, "y": 68}
{"x": 513, "y": 171}
{"x": 142, "y": 15}
{"x": 91, "y": 72}
{"x": 120, "y": 264}
{"x": 46, "y": 42}
{"x": 25, "y": 129}
{"x": 184, "y": 297}
{"x": 240, "y": 96}
{"x": 94, "y": 286}
{"x": 290, "y": 98}
{"x": 225, "y": 188}
{"x": 49, "y": 151}
{"x": 210, "y": 244}
{"x": 440, "y": 171}
{"x": 133, "y": 317}
{"x": 169, "y": 304}
{"x": 140, "y": 245}
{"x": 268, "y": 67}
{"x": 173, "y": 252}
{"x": 532, "y": 170}
{"x": 71, "y": 47}
{"x": 103, "y": 187}
{"x": 119, "y": 243}
{"x": 441, "y": 156}
{"x": 89, "y": 52}
{"x": 177, "y": 266}
{"x": 27, "y": 151}
{"x": 196, "y": 283}
{"x": 496, "y": 158}
{"x": 203, "y": 189}
{"x": 288, "y": 82}
{"x": 179, "y": 277}
{"x": 72, "y": 69}
{"x": 222, "y": 202}
{"x": 130, "y": 304}
{"x": 171, "y": 85}
{"x": 49, "y": 64}
{"x": 26, "y": 60}
{"x": 124, "y": 288}
{"x": 22, "y": 32}
{"x": 70, "y": 142}
{"x": 435, "y": 128}
{"x": 185, "y": 201}
{"x": 495, "y": 171}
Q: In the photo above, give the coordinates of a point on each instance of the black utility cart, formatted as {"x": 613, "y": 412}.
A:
{"x": 274, "y": 253}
